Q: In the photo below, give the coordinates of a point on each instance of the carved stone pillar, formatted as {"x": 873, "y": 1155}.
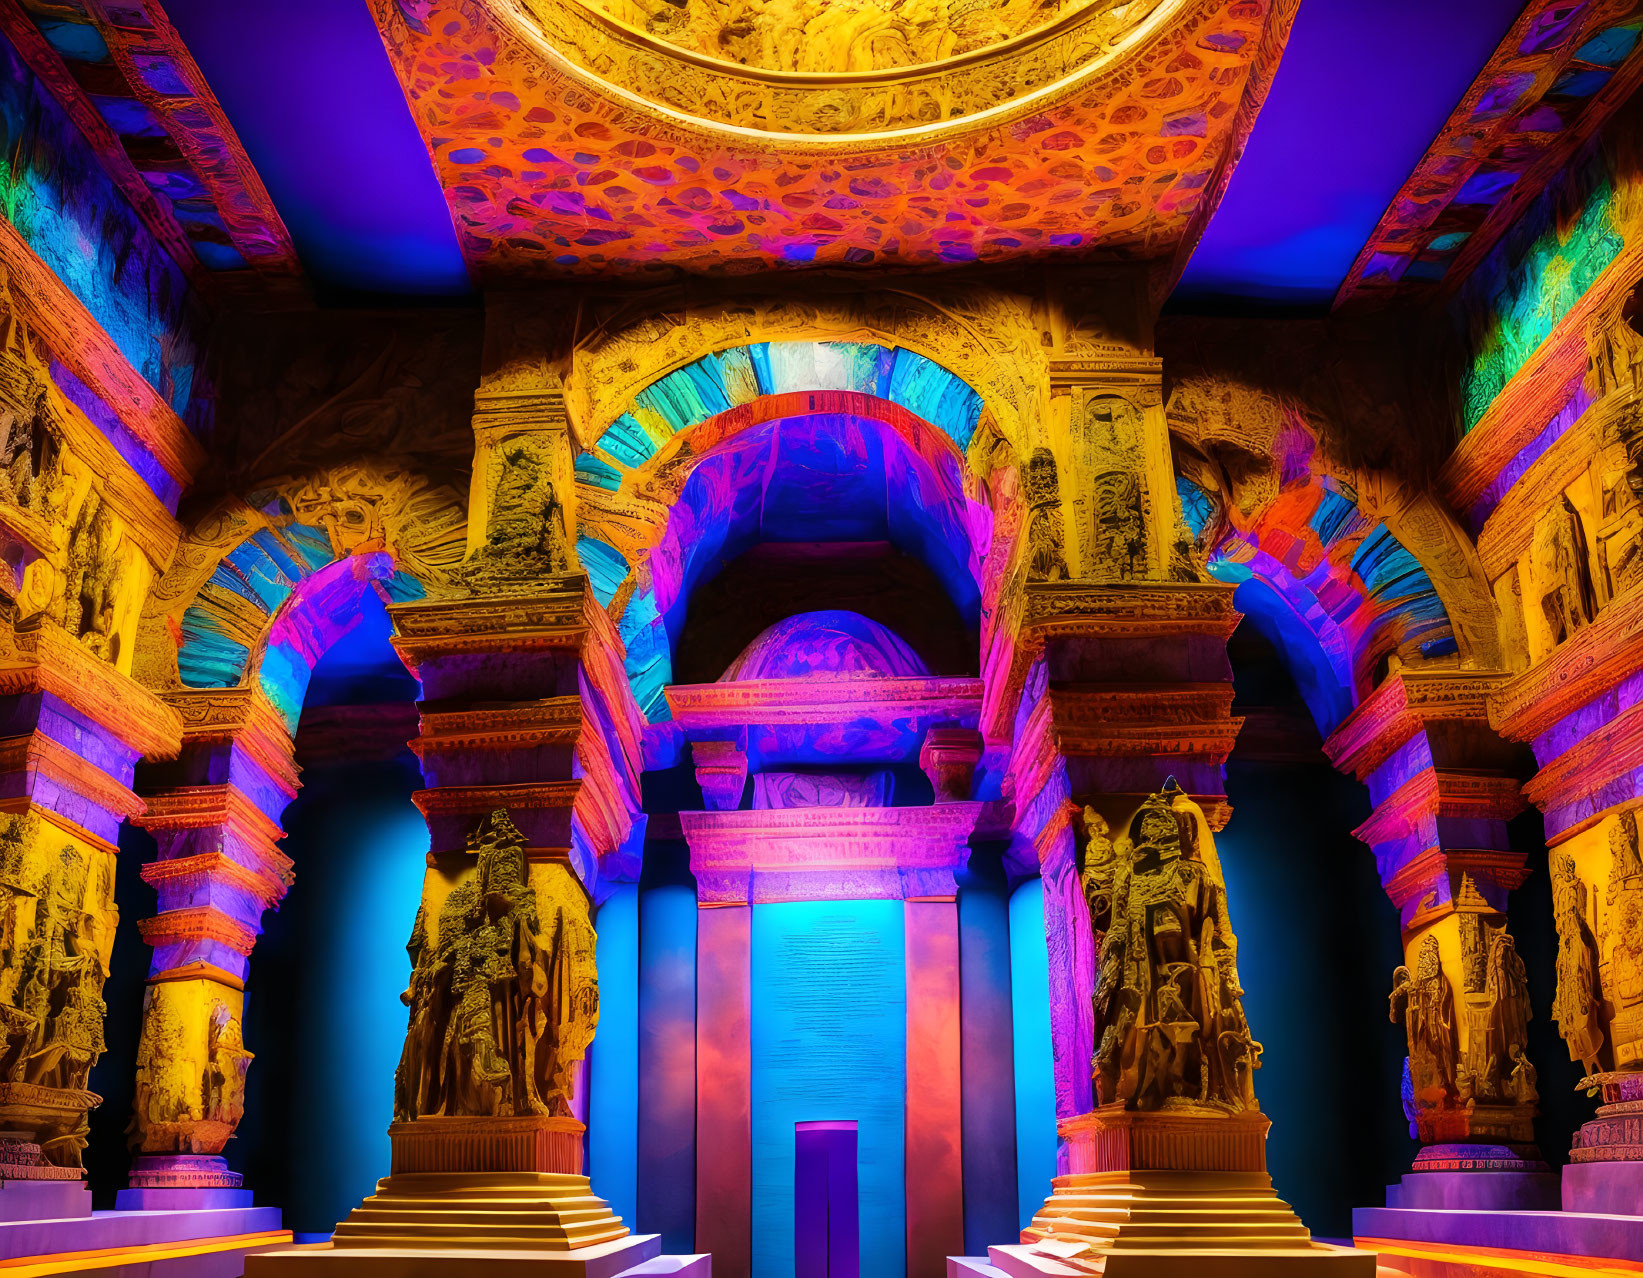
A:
{"x": 1123, "y": 687}
{"x": 1442, "y": 784}
{"x": 215, "y": 815}
{"x": 1580, "y": 710}
{"x": 531, "y": 760}
{"x": 73, "y": 728}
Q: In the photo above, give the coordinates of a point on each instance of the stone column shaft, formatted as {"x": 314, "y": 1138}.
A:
{"x": 214, "y": 814}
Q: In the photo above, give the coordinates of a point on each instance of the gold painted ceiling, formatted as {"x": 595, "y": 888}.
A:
{"x": 848, "y": 35}
{"x": 627, "y": 137}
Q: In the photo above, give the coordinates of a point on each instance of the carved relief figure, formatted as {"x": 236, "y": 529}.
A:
{"x": 1620, "y": 531}
{"x": 168, "y": 1102}
{"x": 503, "y": 997}
{"x": 1046, "y": 530}
{"x": 1425, "y": 1004}
{"x": 56, "y": 927}
{"x": 1562, "y": 572}
{"x": 1169, "y": 1019}
{"x": 1622, "y": 961}
{"x": 1497, "y": 1013}
{"x": 226, "y": 1064}
{"x": 1120, "y": 536}
{"x": 527, "y": 533}
{"x": 93, "y": 580}
{"x": 1575, "y": 1006}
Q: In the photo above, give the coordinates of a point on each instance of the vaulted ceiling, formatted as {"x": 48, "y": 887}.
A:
{"x": 1290, "y": 154}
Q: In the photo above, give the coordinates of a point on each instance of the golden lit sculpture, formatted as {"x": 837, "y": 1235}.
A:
{"x": 57, "y": 934}
{"x": 1169, "y": 1170}
{"x": 504, "y": 998}
{"x": 1169, "y": 1017}
{"x": 1575, "y": 1006}
{"x": 503, "y": 995}
{"x": 1425, "y": 1004}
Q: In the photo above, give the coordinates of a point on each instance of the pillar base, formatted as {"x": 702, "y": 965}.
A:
{"x": 481, "y": 1211}
{"x": 44, "y": 1200}
{"x": 1477, "y": 1177}
{"x": 138, "y": 1198}
{"x": 1476, "y": 1191}
{"x": 1173, "y": 1193}
{"x": 496, "y": 1260}
{"x": 1613, "y": 1188}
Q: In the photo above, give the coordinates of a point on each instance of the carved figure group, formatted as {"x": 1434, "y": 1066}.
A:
{"x": 56, "y": 932}
{"x": 1169, "y": 1019}
{"x": 503, "y": 996}
{"x": 1472, "y": 1052}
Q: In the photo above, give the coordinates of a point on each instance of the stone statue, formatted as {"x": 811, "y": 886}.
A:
{"x": 1169, "y": 1019}
{"x": 1575, "y": 1006}
{"x": 1425, "y": 1004}
{"x": 503, "y": 996}
{"x": 1046, "y": 530}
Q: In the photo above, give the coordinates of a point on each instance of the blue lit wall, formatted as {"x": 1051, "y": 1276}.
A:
{"x": 613, "y": 1060}
{"x": 1035, "y": 1138}
{"x": 667, "y": 1051}
{"x": 322, "y": 1004}
{"x": 987, "y": 1055}
{"x": 829, "y": 1041}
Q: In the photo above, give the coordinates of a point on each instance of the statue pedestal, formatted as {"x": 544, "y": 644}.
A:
{"x": 503, "y": 1193}
{"x": 1605, "y": 1171}
{"x": 1173, "y": 1193}
{"x": 1469, "y": 1177}
{"x": 182, "y": 1182}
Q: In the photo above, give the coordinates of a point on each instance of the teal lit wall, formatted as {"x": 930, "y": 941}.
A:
{"x": 322, "y": 1006}
{"x": 829, "y": 1041}
{"x": 1035, "y": 1138}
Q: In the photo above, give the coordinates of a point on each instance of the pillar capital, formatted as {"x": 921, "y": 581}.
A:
{"x": 1404, "y": 704}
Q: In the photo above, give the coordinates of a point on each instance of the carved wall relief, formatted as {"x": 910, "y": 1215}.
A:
{"x": 1576, "y": 1007}
{"x": 526, "y": 534}
{"x": 57, "y": 922}
{"x": 1046, "y": 528}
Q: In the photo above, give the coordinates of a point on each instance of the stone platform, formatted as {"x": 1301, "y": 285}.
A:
{"x": 146, "y": 1244}
{"x": 635, "y": 1256}
{"x": 1587, "y": 1236}
{"x": 1176, "y": 1193}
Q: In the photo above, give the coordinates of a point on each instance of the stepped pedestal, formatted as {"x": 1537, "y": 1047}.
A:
{"x": 1176, "y": 1193}
{"x": 505, "y": 1194}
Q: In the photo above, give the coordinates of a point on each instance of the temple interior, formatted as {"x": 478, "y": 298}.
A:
{"x": 821, "y": 638}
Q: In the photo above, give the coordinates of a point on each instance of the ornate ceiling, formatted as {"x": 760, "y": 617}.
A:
{"x": 635, "y": 136}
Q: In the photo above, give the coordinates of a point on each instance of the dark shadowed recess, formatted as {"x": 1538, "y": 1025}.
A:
{"x": 775, "y": 580}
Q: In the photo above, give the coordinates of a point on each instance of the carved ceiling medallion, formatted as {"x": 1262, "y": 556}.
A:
{"x": 631, "y": 136}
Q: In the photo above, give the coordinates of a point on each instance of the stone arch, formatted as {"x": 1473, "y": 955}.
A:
{"x": 225, "y": 614}
{"x": 622, "y": 527}
{"x": 988, "y": 339}
{"x": 1342, "y": 574}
